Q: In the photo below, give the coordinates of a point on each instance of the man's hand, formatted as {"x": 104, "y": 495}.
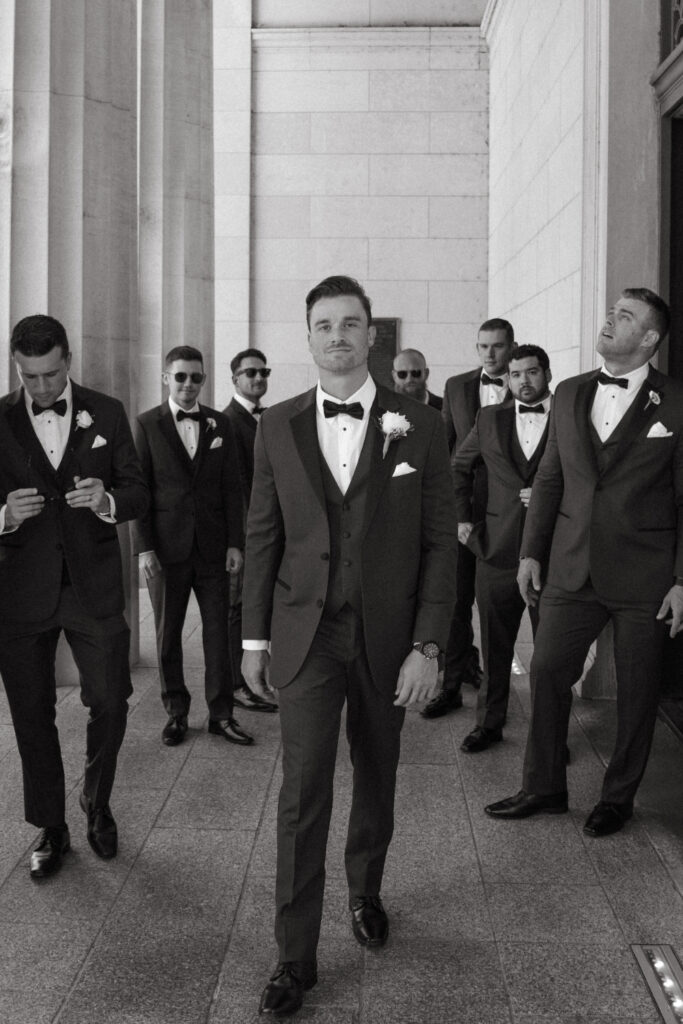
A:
{"x": 149, "y": 564}
{"x": 673, "y": 603}
{"x": 529, "y": 580}
{"x": 417, "y": 679}
{"x": 22, "y": 504}
{"x": 89, "y": 493}
{"x": 234, "y": 561}
{"x": 525, "y": 496}
{"x": 464, "y": 531}
{"x": 255, "y": 668}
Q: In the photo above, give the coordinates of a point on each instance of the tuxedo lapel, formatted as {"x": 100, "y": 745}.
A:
{"x": 634, "y": 422}
{"x": 506, "y": 430}
{"x": 305, "y": 434}
{"x": 471, "y": 391}
{"x": 381, "y": 467}
{"x": 245, "y": 416}
{"x": 168, "y": 429}
{"x": 583, "y": 402}
{"x": 20, "y": 424}
{"x": 80, "y": 438}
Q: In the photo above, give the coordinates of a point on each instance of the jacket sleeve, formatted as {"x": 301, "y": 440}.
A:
{"x": 143, "y": 529}
{"x": 232, "y": 489}
{"x": 128, "y": 486}
{"x": 464, "y": 464}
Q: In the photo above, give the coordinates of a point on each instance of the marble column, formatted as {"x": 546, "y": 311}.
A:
{"x": 68, "y": 193}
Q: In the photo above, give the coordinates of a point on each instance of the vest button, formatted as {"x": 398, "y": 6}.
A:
{"x": 60, "y": 547}
{"x": 345, "y": 507}
{"x": 325, "y": 557}
{"x": 346, "y": 534}
{"x": 320, "y": 602}
{"x": 347, "y": 562}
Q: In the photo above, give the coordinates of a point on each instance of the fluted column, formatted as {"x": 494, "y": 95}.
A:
{"x": 68, "y": 189}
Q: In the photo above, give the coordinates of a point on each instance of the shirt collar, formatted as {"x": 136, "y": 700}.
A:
{"x": 67, "y": 394}
{"x": 245, "y": 402}
{"x": 175, "y": 408}
{"x": 365, "y": 395}
{"x": 634, "y": 377}
{"x": 545, "y": 402}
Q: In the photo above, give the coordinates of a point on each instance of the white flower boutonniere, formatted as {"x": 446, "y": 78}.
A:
{"x": 83, "y": 419}
{"x": 652, "y": 399}
{"x": 394, "y": 426}
{"x": 210, "y": 423}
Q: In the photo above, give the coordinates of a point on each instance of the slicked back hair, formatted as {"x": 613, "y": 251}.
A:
{"x": 37, "y": 335}
{"x": 184, "y": 352}
{"x": 660, "y": 316}
{"x": 333, "y": 286}
{"x": 498, "y": 324}
{"x": 247, "y": 353}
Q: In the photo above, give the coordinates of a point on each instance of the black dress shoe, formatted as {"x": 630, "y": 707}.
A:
{"x": 480, "y": 738}
{"x": 369, "y": 921}
{"x": 523, "y": 805}
{"x": 102, "y": 832}
{"x": 229, "y": 729}
{"x": 606, "y": 818}
{"x": 47, "y": 856}
{"x": 473, "y": 676}
{"x": 441, "y": 704}
{"x": 244, "y": 698}
{"x": 174, "y": 731}
{"x": 284, "y": 993}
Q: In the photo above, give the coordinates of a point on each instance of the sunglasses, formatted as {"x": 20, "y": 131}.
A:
{"x": 402, "y": 374}
{"x": 196, "y": 378}
{"x": 251, "y": 372}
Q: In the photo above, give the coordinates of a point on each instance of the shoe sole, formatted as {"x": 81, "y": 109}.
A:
{"x": 230, "y": 739}
{"x": 255, "y": 707}
{"x": 530, "y": 814}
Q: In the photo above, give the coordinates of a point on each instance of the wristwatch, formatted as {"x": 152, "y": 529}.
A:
{"x": 427, "y": 648}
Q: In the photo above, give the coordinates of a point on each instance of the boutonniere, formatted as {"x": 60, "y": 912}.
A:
{"x": 653, "y": 398}
{"x": 394, "y": 426}
{"x": 83, "y": 419}
{"x": 210, "y": 423}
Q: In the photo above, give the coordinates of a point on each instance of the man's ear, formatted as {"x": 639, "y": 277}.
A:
{"x": 372, "y": 334}
{"x": 68, "y": 361}
{"x": 426, "y": 374}
{"x": 650, "y": 339}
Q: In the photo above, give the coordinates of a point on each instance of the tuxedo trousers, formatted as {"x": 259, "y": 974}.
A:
{"x": 100, "y": 648}
{"x": 461, "y": 654}
{"x": 169, "y": 593}
{"x": 335, "y": 671}
{"x": 568, "y": 624}
{"x": 501, "y": 607}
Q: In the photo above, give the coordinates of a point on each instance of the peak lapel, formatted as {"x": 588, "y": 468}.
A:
{"x": 583, "y": 401}
{"x": 168, "y": 429}
{"x": 39, "y": 468}
{"x": 637, "y": 417}
{"x": 305, "y": 434}
{"x": 381, "y": 468}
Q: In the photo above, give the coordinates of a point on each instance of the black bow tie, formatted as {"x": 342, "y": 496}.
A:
{"x": 498, "y": 381}
{"x": 334, "y": 408}
{"x": 59, "y": 407}
{"x": 182, "y": 415}
{"x": 620, "y": 382}
{"x": 257, "y": 410}
{"x": 532, "y": 408}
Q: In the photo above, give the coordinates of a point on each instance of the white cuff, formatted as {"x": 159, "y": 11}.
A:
{"x": 110, "y": 516}
{"x": 255, "y": 645}
{"x": 3, "y": 529}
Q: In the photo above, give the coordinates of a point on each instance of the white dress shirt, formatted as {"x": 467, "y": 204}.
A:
{"x": 188, "y": 430}
{"x": 341, "y": 439}
{"x": 611, "y": 402}
{"x": 249, "y": 406}
{"x": 492, "y": 394}
{"x": 530, "y": 425}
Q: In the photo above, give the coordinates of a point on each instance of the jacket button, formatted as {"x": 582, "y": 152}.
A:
{"x": 347, "y": 563}
{"x": 320, "y": 602}
{"x": 345, "y": 507}
{"x": 60, "y": 547}
{"x": 325, "y": 557}
{"x": 346, "y": 534}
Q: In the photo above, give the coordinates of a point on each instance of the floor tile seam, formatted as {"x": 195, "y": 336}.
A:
{"x": 678, "y": 887}
{"x": 238, "y": 903}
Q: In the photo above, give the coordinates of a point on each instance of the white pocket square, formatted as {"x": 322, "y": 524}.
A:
{"x": 659, "y": 430}
{"x": 216, "y": 443}
{"x": 403, "y": 468}
{"x": 99, "y": 441}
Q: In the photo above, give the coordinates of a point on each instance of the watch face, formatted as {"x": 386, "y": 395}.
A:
{"x": 430, "y": 649}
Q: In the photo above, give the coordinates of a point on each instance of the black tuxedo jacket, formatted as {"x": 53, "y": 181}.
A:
{"x": 434, "y": 401}
{"x": 198, "y": 498}
{"x": 32, "y": 557}
{"x": 408, "y": 551}
{"x": 622, "y": 525}
{"x": 493, "y": 441}
{"x": 244, "y": 429}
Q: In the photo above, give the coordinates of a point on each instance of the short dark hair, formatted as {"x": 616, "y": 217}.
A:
{"x": 184, "y": 352}
{"x": 660, "y": 315}
{"x": 37, "y": 335}
{"x": 333, "y": 286}
{"x": 246, "y": 353}
{"x": 529, "y": 351}
{"x": 498, "y": 324}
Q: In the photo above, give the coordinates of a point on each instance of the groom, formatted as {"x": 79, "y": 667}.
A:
{"x": 350, "y": 563}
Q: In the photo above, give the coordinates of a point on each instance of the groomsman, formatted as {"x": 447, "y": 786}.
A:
{"x": 509, "y": 439}
{"x": 68, "y": 475}
{"x": 192, "y": 533}
{"x": 607, "y": 508}
{"x": 464, "y": 396}
{"x": 410, "y": 374}
{"x": 350, "y": 564}
{"x": 250, "y": 380}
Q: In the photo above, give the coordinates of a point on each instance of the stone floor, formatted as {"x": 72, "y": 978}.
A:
{"x": 491, "y": 923}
